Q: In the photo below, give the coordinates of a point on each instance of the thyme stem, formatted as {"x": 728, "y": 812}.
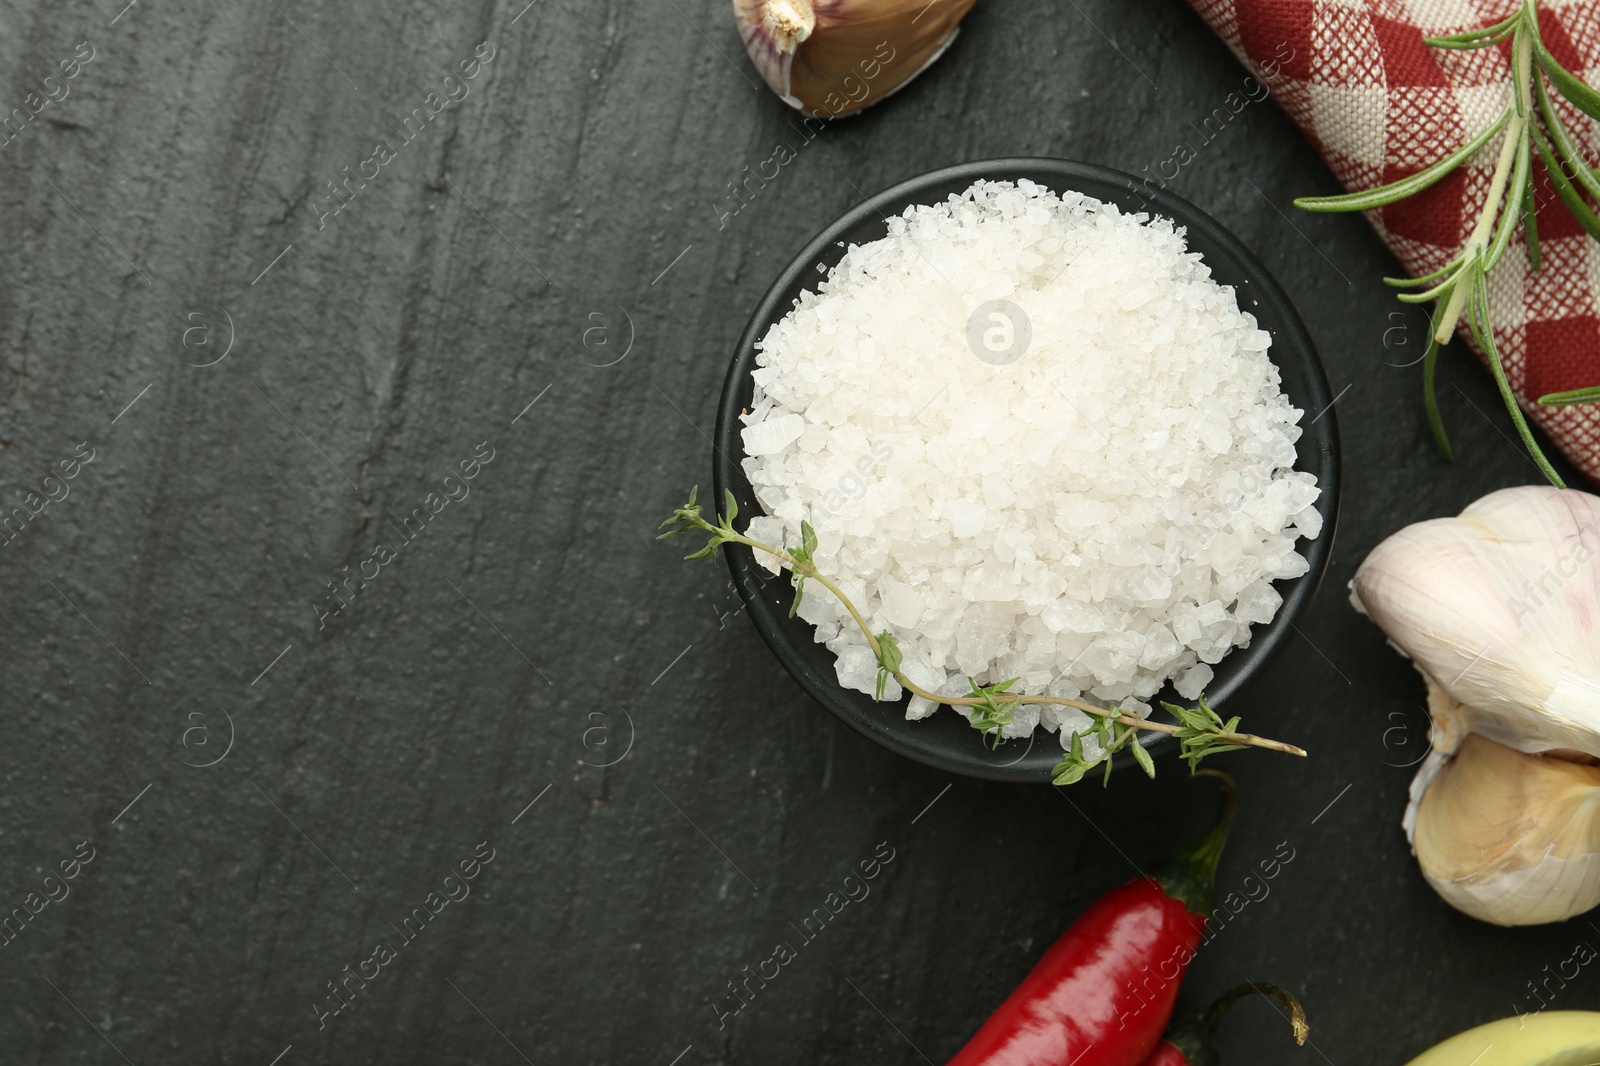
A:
{"x": 809, "y": 570}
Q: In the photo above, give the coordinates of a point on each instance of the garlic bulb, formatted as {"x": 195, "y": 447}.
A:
{"x": 1499, "y": 609}
{"x": 834, "y": 57}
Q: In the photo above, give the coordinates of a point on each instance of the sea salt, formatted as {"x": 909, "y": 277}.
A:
{"x": 1098, "y": 517}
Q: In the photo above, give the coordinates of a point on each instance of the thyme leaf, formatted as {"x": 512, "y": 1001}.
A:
{"x": 990, "y": 707}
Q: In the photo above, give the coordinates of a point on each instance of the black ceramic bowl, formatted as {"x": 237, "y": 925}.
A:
{"x": 945, "y": 740}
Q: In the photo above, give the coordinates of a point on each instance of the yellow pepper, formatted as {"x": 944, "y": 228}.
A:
{"x": 1553, "y": 1038}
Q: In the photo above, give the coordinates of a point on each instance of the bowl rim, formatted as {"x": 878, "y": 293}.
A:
{"x": 1291, "y": 341}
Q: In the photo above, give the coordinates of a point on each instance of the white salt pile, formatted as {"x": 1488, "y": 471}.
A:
{"x": 1101, "y": 515}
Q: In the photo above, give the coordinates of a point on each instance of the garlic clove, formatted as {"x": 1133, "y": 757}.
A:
{"x": 1508, "y": 837}
{"x": 1499, "y": 608}
{"x": 834, "y": 57}
{"x": 772, "y": 30}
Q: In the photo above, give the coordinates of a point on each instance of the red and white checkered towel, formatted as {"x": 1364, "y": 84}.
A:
{"x": 1380, "y": 104}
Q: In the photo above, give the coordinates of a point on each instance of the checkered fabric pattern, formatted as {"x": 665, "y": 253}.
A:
{"x": 1380, "y": 104}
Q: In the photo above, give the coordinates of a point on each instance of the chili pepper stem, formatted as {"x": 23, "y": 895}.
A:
{"x": 1193, "y": 1036}
{"x": 1291, "y": 1006}
{"x": 1191, "y": 875}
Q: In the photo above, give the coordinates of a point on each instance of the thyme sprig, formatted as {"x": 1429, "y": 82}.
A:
{"x": 1460, "y": 287}
{"x": 1200, "y": 731}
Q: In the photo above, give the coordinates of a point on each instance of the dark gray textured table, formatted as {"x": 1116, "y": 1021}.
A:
{"x": 174, "y": 610}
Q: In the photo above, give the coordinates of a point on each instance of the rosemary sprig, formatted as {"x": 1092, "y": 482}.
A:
{"x": 1459, "y": 289}
{"x": 1200, "y": 731}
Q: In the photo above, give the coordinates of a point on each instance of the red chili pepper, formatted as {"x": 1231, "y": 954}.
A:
{"x": 1103, "y": 992}
{"x": 1188, "y": 1042}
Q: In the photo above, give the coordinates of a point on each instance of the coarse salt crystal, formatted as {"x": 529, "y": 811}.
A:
{"x": 772, "y": 435}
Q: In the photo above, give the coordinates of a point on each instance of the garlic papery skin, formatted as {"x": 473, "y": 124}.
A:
{"x": 1511, "y": 838}
{"x": 1499, "y": 610}
{"x": 834, "y": 57}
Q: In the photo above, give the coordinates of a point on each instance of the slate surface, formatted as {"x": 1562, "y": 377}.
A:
{"x": 173, "y": 203}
